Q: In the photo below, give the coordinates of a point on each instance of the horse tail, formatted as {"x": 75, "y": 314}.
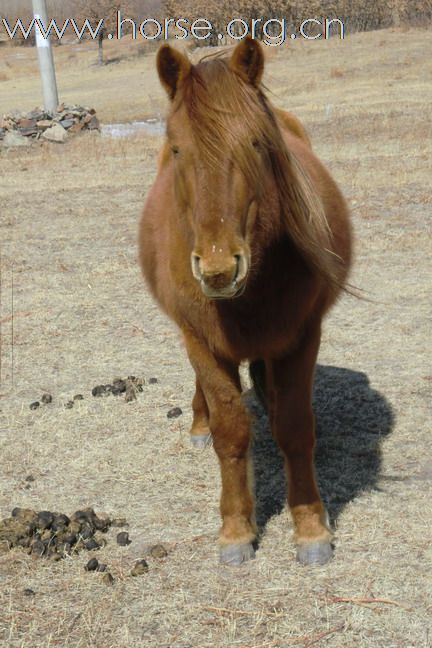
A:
{"x": 257, "y": 374}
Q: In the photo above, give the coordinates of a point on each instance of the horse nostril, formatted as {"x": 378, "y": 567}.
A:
{"x": 242, "y": 267}
{"x": 195, "y": 262}
{"x": 237, "y": 266}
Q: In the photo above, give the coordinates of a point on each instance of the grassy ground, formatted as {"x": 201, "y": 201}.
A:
{"x": 82, "y": 316}
{"x": 122, "y": 90}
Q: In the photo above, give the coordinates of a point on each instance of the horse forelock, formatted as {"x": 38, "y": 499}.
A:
{"x": 225, "y": 114}
{"x": 228, "y": 117}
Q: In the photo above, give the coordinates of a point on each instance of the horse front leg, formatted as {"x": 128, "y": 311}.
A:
{"x": 290, "y": 394}
{"x": 230, "y": 428}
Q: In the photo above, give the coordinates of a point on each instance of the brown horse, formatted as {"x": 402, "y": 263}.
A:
{"x": 245, "y": 243}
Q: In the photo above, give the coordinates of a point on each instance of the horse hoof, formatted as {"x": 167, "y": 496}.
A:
{"x": 314, "y": 553}
{"x": 236, "y": 554}
{"x": 201, "y": 440}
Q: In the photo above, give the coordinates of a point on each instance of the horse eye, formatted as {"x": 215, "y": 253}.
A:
{"x": 175, "y": 150}
{"x": 256, "y": 145}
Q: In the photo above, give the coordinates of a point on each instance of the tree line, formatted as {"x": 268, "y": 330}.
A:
{"x": 357, "y": 15}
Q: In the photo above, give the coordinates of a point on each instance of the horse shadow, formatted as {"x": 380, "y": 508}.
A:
{"x": 351, "y": 421}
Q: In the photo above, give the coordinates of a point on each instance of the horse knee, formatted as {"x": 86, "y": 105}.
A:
{"x": 231, "y": 439}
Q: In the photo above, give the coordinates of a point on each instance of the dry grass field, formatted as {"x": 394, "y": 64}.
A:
{"x": 81, "y": 316}
{"x": 122, "y": 90}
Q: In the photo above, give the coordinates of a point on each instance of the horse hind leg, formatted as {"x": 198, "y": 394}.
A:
{"x": 200, "y": 431}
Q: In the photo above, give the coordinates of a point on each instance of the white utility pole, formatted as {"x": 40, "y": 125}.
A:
{"x": 46, "y": 61}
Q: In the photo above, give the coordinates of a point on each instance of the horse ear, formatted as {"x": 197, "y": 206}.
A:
{"x": 247, "y": 60}
{"x": 173, "y": 67}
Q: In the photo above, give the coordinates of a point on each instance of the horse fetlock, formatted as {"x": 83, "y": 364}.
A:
{"x": 200, "y": 427}
{"x": 312, "y": 534}
{"x": 237, "y": 529}
{"x": 311, "y": 524}
{"x": 200, "y": 431}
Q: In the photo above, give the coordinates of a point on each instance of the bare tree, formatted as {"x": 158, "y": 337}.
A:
{"x": 106, "y": 10}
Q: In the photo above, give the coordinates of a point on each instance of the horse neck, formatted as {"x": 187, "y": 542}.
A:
{"x": 269, "y": 224}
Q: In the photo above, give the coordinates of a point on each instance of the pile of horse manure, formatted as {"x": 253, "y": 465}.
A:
{"x": 158, "y": 551}
{"x": 140, "y": 567}
{"x": 129, "y": 386}
{"x": 174, "y": 412}
{"x": 123, "y": 539}
{"x": 46, "y": 399}
{"x": 53, "y": 535}
{"x": 94, "y": 565}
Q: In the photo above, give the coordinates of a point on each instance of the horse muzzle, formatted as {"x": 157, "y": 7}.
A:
{"x": 221, "y": 281}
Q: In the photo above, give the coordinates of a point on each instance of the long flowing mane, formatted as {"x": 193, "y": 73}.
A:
{"x": 227, "y": 114}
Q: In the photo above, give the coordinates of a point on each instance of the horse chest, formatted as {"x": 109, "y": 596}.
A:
{"x": 264, "y": 322}
{"x": 259, "y": 332}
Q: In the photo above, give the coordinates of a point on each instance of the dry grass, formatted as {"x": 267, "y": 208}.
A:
{"x": 128, "y": 73}
{"x": 68, "y": 231}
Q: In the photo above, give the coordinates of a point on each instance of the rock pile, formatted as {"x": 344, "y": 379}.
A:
{"x": 19, "y": 129}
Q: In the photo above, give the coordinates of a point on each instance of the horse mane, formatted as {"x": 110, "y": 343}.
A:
{"x": 227, "y": 114}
